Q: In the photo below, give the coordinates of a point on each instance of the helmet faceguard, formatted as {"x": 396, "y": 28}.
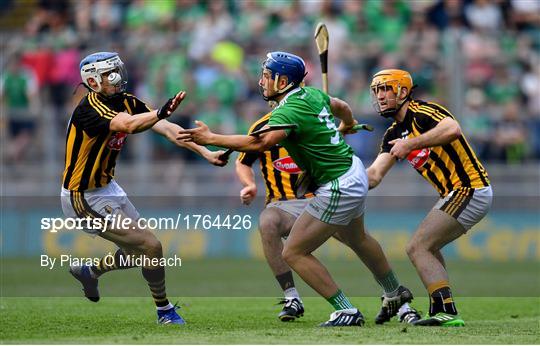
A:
{"x": 97, "y": 64}
{"x": 284, "y": 64}
{"x": 396, "y": 80}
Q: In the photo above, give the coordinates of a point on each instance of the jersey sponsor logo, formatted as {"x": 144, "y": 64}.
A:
{"x": 117, "y": 141}
{"x": 286, "y": 164}
{"x": 418, "y": 158}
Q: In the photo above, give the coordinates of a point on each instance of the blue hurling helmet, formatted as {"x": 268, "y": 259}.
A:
{"x": 94, "y": 65}
{"x": 285, "y": 64}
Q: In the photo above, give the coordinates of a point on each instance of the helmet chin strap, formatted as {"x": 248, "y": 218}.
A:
{"x": 278, "y": 91}
{"x": 275, "y": 96}
{"x": 392, "y": 112}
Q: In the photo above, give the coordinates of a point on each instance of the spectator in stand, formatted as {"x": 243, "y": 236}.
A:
{"x": 510, "y": 136}
{"x": 19, "y": 97}
{"x": 170, "y": 42}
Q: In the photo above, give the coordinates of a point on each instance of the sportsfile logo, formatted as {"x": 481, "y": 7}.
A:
{"x": 53, "y": 224}
{"x": 86, "y": 223}
{"x": 181, "y": 222}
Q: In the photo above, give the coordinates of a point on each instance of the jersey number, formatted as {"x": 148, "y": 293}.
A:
{"x": 324, "y": 116}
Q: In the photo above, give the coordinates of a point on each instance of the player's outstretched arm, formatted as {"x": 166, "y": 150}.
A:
{"x": 127, "y": 123}
{"x": 446, "y": 131}
{"x": 124, "y": 122}
{"x": 169, "y": 131}
{"x": 203, "y": 136}
{"x": 379, "y": 168}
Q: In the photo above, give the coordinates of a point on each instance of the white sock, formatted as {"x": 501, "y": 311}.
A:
{"x": 92, "y": 274}
{"x": 404, "y": 309}
{"x": 170, "y": 306}
{"x": 391, "y": 294}
{"x": 291, "y": 293}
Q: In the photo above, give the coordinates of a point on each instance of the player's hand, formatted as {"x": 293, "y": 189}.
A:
{"x": 170, "y": 106}
{"x": 347, "y": 129}
{"x": 200, "y": 134}
{"x": 214, "y": 158}
{"x": 248, "y": 193}
{"x": 400, "y": 148}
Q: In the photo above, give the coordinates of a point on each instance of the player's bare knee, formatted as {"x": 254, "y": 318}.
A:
{"x": 416, "y": 248}
{"x": 290, "y": 256}
{"x": 152, "y": 246}
{"x": 269, "y": 226}
{"x": 412, "y": 249}
{"x": 359, "y": 241}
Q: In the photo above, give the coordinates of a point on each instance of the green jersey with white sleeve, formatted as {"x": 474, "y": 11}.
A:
{"x": 315, "y": 145}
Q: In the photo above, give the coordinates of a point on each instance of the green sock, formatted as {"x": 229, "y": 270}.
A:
{"x": 339, "y": 301}
{"x": 389, "y": 282}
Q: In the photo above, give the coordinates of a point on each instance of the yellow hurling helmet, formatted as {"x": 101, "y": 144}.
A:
{"x": 396, "y": 79}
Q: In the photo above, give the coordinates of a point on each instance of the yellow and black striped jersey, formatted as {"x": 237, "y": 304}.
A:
{"x": 91, "y": 147}
{"x": 447, "y": 167}
{"x": 278, "y": 169}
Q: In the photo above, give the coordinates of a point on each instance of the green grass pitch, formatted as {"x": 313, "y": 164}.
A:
{"x": 252, "y": 321}
{"x": 42, "y": 306}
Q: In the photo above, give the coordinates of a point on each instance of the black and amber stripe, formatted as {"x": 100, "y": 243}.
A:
{"x": 104, "y": 266}
{"x": 89, "y": 163}
{"x": 155, "y": 277}
{"x": 109, "y": 263}
{"x": 452, "y": 165}
{"x": 81, "y": 207}
{"x": 280, "y": 186}
{"x": 458, "y": 201}
{"x": 95, "y": 101}
{"x": 158, "y": 292}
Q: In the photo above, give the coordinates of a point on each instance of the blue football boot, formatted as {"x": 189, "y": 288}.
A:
{"x": 90, "y": 285}
{"x": 170, "y": 316}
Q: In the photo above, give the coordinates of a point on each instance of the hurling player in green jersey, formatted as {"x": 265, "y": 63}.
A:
{"x": 337, "y": 209}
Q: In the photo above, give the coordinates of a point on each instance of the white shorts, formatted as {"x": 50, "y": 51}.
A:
{"x": 467, "y": 205}
{"x": 295, "y": 207}
{"x": 97, "y": 203}
{"x": 343, "y": 199}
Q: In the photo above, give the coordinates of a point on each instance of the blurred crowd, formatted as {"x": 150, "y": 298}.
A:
{"x": 479, "y": 58}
